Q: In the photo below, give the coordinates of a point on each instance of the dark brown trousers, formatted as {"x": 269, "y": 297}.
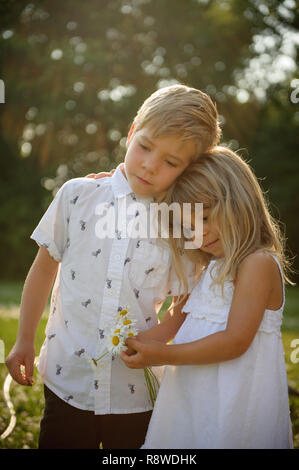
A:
{"x": 66, "y": 427}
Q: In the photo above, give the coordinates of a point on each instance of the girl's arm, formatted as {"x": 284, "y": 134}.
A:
{"x": 251, "y": 295}
{"x": 169, "y": 326}
{"x": 164, "y": 331}
{"x": 35, "y": 294}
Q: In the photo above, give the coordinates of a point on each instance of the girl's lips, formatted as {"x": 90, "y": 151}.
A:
{"x": 210, "y": 244}
{"x": 142, "y": 180}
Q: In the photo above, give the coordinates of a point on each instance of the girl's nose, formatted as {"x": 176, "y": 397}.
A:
{"x": 205, "y": 228}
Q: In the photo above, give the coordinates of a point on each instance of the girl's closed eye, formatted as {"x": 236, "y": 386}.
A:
{"x": 171, "y": 164}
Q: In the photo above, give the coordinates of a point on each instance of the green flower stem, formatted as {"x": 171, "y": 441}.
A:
{"x": 96, "y": 360}
{"x": 152, "y": 384}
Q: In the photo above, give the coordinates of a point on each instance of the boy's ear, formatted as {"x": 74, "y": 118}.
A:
{"x": 130, "y": 133}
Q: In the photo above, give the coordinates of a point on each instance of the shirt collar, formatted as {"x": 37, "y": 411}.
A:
{"x": 120, "y": 184}
{"x": 121, "y": 187}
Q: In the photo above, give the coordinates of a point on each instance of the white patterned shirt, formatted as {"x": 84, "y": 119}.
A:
{"x": 97, "y": 277}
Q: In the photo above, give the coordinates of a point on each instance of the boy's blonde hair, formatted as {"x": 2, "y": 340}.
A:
{"x": 222, "y": 180}
{"x": 181, "y": 111}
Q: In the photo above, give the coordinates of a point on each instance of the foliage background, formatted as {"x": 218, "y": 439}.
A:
{"x": 75, "y": 74}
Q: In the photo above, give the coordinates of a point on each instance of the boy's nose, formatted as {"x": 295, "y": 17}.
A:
{"x": 151, "y": 164}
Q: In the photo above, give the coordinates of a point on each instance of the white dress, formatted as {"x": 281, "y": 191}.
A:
{"x": 238, "y": 404}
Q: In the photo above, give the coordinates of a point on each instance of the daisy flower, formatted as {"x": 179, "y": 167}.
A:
{"x": 116, "y": 341}
{"x": 124, "y": 328}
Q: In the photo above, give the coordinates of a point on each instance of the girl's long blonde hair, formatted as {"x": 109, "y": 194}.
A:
{"x": 222, "y": 180}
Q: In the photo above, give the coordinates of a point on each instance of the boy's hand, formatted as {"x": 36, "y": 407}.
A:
{"x": 102, "y": 174}
{"x": 150, "y": 353}
{"x": 21, "y": 355}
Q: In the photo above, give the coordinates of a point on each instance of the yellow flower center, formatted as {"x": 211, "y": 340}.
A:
{"x": 115, "y": 340}
{"x": 130, "y": 334}
{"x": 123, "y": 312}
{"x": 117, "y": 331}
{"x": 127, "y": 322}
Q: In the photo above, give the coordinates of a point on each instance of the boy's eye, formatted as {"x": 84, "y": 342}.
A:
{"x": 171, "y": 164}
{"x": 144, "y": 147}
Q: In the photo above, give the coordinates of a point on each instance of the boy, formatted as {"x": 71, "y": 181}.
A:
{"x": 96, "y": 277}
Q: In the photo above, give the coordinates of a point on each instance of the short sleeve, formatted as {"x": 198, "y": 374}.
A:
{"x": 52, "y": 230}
{"x": 173, "y": 284}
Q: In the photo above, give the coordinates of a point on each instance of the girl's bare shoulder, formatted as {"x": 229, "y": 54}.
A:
{"x": 260, "y": 263}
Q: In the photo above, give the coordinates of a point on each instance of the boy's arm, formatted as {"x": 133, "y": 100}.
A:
{"x": 35, "y": 295}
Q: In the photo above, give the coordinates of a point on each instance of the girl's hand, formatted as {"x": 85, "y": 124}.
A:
{"x": 150, "y": 353}
{"x": 102, "y": 174}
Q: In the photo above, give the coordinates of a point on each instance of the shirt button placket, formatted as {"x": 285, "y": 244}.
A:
{"x": 109, "y": 309}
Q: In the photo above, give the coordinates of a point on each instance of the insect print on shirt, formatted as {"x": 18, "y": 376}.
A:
{"x": 67, "y": 243}
{"x": 127, "y": 261}
{"x": 83, "y": 225}
{"x": 108, "y": 282}
{"x": 132, "y": 388}
{"x": 137, "y": 213}
{"x": 138, "y": 244}
{"x": 68, "y": 397}
{"x": 96, "y": 253}
{"x": 149, "y": 270}
{"x": 51, "y": 336}
{"x": 118, "y": 234}
{"x": 73, "y": 274}
{"x": 54, "y": 310}
{"x": 86, "y": 303}
{"x": 96, "y": 384}
{"x": 68, "y": 220}
{"x": 133, "y": 197}
{"x": 101, "y": 332}
{"x": 148, "y": 319}
{"x": 73, "y": 201}
{"x": 136, "y": 292}
{"x": 81, "y": 351}
{"x": 58, "y": 369}
{"x": 66, "y": 322}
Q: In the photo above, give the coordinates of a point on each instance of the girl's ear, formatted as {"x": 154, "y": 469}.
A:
{"x": 130, "y": 134}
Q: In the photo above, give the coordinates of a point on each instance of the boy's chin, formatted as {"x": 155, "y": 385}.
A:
{"x": 141, "y": 193}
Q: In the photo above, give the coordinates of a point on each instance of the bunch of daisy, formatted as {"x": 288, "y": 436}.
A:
{"x": 123, "y": 329}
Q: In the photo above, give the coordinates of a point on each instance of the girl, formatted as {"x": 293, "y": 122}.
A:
{"x": 225, "y": 384}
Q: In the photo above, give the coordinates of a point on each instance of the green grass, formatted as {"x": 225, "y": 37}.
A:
{"x": 29, "y": 401}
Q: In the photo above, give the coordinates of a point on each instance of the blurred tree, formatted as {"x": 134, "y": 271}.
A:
{"x": 76, "y": 73}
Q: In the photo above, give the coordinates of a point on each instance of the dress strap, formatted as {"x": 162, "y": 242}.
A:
{"x": 282, "y": 279}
